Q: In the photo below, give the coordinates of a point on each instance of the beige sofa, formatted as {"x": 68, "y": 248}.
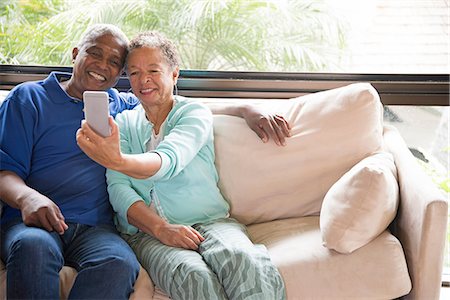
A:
{"x": 323, "y": 205}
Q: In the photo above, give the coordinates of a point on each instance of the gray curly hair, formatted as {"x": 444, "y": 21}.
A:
{"x": 155, "y": 39}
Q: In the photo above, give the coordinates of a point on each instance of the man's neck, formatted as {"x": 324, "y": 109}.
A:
{"x": 70, "y": 90}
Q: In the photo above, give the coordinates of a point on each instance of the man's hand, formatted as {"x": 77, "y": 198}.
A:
{"x": 39, "y": 211}
{"x": 266, "y": 125}
{"x": 178, "y": 236}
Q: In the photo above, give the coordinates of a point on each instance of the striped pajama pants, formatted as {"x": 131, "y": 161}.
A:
{"x": 227, "y": 265}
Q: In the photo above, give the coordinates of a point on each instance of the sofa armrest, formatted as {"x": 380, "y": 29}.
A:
{"x": 421, "y": 220}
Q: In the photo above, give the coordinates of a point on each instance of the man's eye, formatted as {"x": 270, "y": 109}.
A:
{"x": 95, "y": 54}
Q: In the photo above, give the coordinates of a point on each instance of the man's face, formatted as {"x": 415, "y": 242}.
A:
{"x": 98, "y": 64}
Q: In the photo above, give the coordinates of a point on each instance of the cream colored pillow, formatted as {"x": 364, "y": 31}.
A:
{"x": 361, "y": 204}
{"x": 331, "y": 132}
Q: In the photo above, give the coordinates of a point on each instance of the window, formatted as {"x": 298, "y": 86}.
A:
{"x": 401, "y": 46}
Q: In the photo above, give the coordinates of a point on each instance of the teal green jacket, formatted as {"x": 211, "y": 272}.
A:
{"x": 185, "y": 187}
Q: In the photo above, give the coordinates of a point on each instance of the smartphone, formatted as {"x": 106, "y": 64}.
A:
{"x": 96, "y": 111}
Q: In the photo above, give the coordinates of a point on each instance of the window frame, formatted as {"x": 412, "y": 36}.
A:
{"x": 394, "y": 89}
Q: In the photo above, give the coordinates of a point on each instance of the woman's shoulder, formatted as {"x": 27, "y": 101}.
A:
{"x": 130, "y": 115}
{"x": 187, "y": 105}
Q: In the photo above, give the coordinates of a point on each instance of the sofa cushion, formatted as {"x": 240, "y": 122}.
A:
{"x": 331, "y": 132}
{"x": 361, "y": 204}
{"x": 312, "y": 271}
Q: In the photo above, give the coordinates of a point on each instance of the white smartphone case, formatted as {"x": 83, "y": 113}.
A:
{"x": 96, "y": 111}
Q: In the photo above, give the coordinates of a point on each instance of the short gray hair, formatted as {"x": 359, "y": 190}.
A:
{"x": 155, "y": 39}
{"x": 97, "y": 30}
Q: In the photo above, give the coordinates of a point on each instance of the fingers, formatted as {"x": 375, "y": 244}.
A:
{"x": 199, "y": 236}
{"x": 275, "y": 127}
{"x": 49, "y": 218}
{"x": 113, "y": 125}
{"x": 261, "y": 132}
{"x": 82, "y": 135}
{"x": 90, "y": 135}
{"x": 191, "y": 238}
{"x": 271, "y": 129}
{"x": 283, "y": 124}
{"x": 57, "y": 221}
{"x": 182, "y": 236}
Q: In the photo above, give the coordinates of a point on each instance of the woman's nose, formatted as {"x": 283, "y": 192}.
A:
{"x": 145, "y": 79}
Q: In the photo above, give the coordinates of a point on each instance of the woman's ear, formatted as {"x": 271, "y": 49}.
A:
{"x": 175, "y": 74}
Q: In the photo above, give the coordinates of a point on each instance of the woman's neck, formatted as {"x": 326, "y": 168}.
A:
{"x": 158, "y": 113}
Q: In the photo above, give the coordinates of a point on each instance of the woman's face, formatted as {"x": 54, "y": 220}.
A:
{"x": 151, "y": 77}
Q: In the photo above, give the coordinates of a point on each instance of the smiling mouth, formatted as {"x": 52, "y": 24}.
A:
{"x": 97, "y": 76}
{"x": 146, "y": 91}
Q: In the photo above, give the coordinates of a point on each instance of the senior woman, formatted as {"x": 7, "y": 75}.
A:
{"x": 163, "y": 187}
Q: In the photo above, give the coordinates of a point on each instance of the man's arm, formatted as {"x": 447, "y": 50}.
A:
{"x": 265, "y": 125}
{"x": 37, "y": 210}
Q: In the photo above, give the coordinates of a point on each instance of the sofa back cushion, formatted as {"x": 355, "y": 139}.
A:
{"x": 330, "y": 132}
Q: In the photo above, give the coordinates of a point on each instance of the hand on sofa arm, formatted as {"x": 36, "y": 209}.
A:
{"x": 264, "y": 124}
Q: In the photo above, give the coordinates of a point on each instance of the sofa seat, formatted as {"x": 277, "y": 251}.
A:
{"x": 309, "y": 270}
{"x": 312, "y": 271}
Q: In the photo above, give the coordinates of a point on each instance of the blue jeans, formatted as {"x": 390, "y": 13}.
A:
{"x": 107, "y": 267}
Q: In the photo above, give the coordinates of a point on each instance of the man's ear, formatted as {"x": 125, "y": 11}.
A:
{"x": 74, "y": 53}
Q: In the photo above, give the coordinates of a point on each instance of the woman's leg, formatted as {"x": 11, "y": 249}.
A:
{"x": 244, "y": 269}
{"x": 181, "y": 273}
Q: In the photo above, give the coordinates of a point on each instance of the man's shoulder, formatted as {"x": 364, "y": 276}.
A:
{"x": 121, "y": 101}
{"x": 28, "y": 86}
{"x": 25, "y": 92}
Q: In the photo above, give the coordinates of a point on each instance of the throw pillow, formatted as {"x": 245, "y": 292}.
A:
{"x": 361, "y": 204}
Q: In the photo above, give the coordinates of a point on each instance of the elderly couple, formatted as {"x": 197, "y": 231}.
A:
{"x": 160, "y": 177}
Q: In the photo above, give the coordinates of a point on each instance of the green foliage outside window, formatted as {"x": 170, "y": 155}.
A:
{"x": 249, "y": 35}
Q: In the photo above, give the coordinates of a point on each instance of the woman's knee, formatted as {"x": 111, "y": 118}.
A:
{"x": 195, "y": 281}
